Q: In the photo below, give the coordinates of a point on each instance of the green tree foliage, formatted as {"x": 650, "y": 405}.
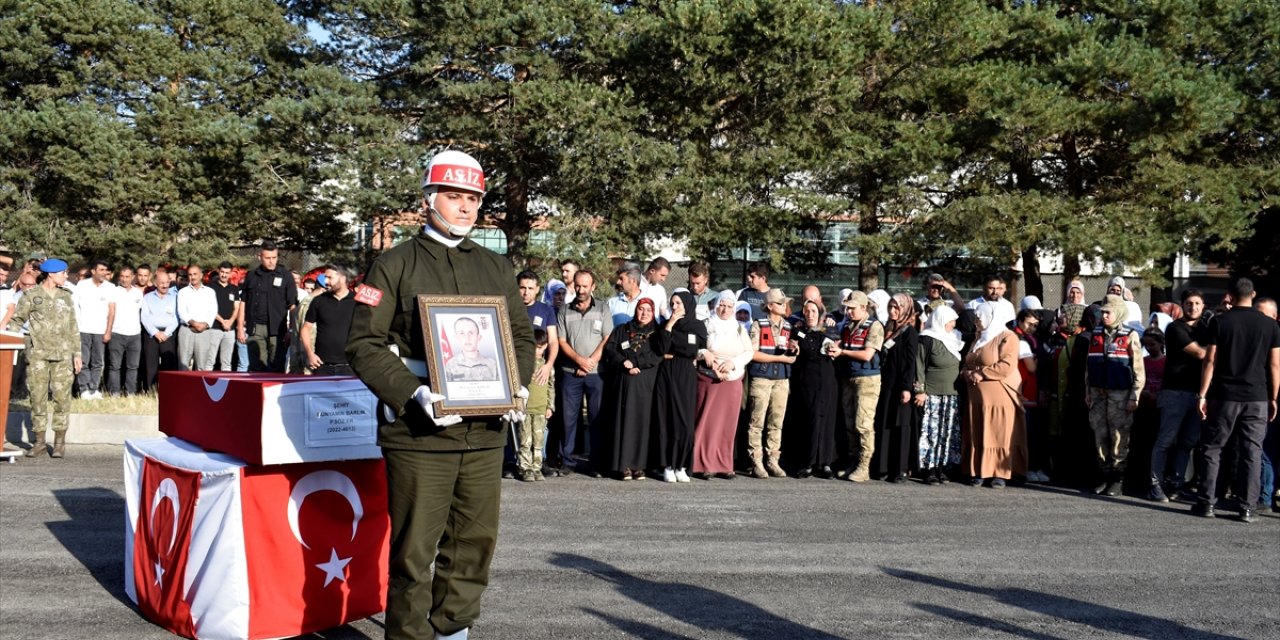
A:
{"x": 885, "y": 151}
{"x": 736, "y": 96}
{"x": 523, "y": 87}
{"x": 1097, "y": 129}
{"x": 133, "y": 129}
{"x": 973, "y": 130}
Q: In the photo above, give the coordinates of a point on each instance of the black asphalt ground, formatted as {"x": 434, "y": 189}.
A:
{"x": 749, "y": 559}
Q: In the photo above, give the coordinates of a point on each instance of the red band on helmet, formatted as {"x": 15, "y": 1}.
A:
{"x": 457, "y": 175}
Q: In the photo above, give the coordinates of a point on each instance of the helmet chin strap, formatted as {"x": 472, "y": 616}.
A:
{"x": 455, "y": 230}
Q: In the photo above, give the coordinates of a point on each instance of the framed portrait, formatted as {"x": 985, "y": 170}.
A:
{"x": 470, "y": 354}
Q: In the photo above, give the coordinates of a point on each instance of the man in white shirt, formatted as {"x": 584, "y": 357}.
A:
{"x": 95, "y": 299}
{"x": 197, "y": 309}
{"x": 7, "y": 304}
{"x": 126, "y": 336}
{"x": 993, "y": 290}
{"x": 651, "y": 287}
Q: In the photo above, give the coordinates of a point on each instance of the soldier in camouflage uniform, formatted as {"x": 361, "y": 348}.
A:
{"x": 1115, "y": 377}
{"x": 52, "y": 344}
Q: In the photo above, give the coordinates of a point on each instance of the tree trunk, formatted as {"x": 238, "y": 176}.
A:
{"x": 517, "y": 222}
{"x": 1165, "y": 293}
{"x": 1032, "y": 282}
{"x": 1070, "y": 271}
{"x": 868, "y": 262}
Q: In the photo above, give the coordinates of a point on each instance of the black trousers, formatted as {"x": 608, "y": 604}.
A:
{"x": 1225, "y": 418}
{"x": 158, "y": 356}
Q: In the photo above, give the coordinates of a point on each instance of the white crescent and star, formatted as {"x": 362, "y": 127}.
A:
{"x": 326, "y": 480}
{"x": 168, "y": 490}
{"x": 217, "y": 389}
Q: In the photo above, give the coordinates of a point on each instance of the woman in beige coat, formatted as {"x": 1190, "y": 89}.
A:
{"x": 995, "y": 434}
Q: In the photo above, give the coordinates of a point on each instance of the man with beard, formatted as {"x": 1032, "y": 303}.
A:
{"x": 1179, "y": 428}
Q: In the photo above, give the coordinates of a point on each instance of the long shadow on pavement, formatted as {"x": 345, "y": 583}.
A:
{"x": 94, "y": 534}
{"x": 1128, "y": 501}
{"x": 1101, "y": 617}
{"x": 703, "y": 608}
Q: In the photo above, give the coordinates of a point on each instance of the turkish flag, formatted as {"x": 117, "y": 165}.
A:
{"x": 446, "y": 350}
{"x": 161, "y": 543}
{"x": 316, "y": 539}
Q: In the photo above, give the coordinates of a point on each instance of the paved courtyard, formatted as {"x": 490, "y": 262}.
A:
{"x": 749, "y": 559}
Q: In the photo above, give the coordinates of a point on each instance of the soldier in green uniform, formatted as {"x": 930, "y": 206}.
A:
{"x": 443, "y": 473}
{"x": 53, "y": 353}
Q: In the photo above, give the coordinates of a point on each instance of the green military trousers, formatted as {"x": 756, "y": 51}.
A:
{"x": 44, "y": 376}
{"x": 444, "y": 510}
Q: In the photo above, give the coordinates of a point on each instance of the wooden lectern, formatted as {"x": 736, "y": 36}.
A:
{"x": 10, "y": 345}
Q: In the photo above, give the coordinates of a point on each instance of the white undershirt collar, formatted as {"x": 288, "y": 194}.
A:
{"x": 434, "y": 234}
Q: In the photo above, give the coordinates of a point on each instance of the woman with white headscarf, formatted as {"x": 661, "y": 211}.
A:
{"x": 938, "y": 370}
{"x": 994, "y": 438}
{"x": 880, "y": 305}
{"x": 721, "y": 367}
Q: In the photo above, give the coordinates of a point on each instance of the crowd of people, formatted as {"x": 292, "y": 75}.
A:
{"x": 716, "y": 384}
{"x": 115, "y": 328}
{"x": 697, "y": 383}
{"x": 713, "y": 384}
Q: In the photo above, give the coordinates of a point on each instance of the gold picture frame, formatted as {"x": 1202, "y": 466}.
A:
{"x": 471, "y": 357}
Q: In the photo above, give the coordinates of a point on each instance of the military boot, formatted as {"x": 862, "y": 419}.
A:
{"x": 863, "y": 472}
{"x": 38, "y": 447}
{"x": 59, "y": 444}
{"x": 773, "y": 468}
{"x": 757, "y": 466}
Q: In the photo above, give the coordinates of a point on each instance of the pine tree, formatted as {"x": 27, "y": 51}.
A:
{"x": 133, "y": 129}
{"x": 1095, "y": 130}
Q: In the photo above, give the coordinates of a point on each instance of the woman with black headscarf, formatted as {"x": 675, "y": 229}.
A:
{"x": 814, "y": 393}
{"x": 630, "y": 370}
{"x": 896, "y": 437}
{"x": 1081, "y": 446}
{"x": 675, "y": 394}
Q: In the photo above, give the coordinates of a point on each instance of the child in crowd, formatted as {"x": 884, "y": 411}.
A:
{"x": 538, "y": 409}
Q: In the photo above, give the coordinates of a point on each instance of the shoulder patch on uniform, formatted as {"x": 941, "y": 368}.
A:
{"x": 368, "y": 295}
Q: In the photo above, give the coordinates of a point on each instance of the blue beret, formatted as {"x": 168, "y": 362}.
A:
{"x": 53, "y": 265}
{"x": 321, "y": 280}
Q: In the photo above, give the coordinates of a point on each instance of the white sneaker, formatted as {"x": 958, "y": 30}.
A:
{"x": 456, "y": 635}
{"x": 668, "y": 475}
{"x": 681, "y": 476}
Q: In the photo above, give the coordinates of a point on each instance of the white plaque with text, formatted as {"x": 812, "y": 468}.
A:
{"x": 340, "y": 420}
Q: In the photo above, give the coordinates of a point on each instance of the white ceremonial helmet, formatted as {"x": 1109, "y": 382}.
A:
{"x": 451, "y": 169}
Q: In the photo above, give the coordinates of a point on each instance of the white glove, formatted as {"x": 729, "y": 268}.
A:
{"x": 426, "y": 398}
{"x": 517, "y": 415}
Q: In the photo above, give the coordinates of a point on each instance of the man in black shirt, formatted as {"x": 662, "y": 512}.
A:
{"x": 1179, "y": 416}
{"x": 268, "y": 295}
{"x": 324, "y": 330}
{"x": 1238, "y": 389}
{"x": 224, "y": 324}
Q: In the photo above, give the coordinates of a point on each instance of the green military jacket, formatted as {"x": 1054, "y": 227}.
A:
{"x": 424, "y": 266}
{"x": 54, "y": 335}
